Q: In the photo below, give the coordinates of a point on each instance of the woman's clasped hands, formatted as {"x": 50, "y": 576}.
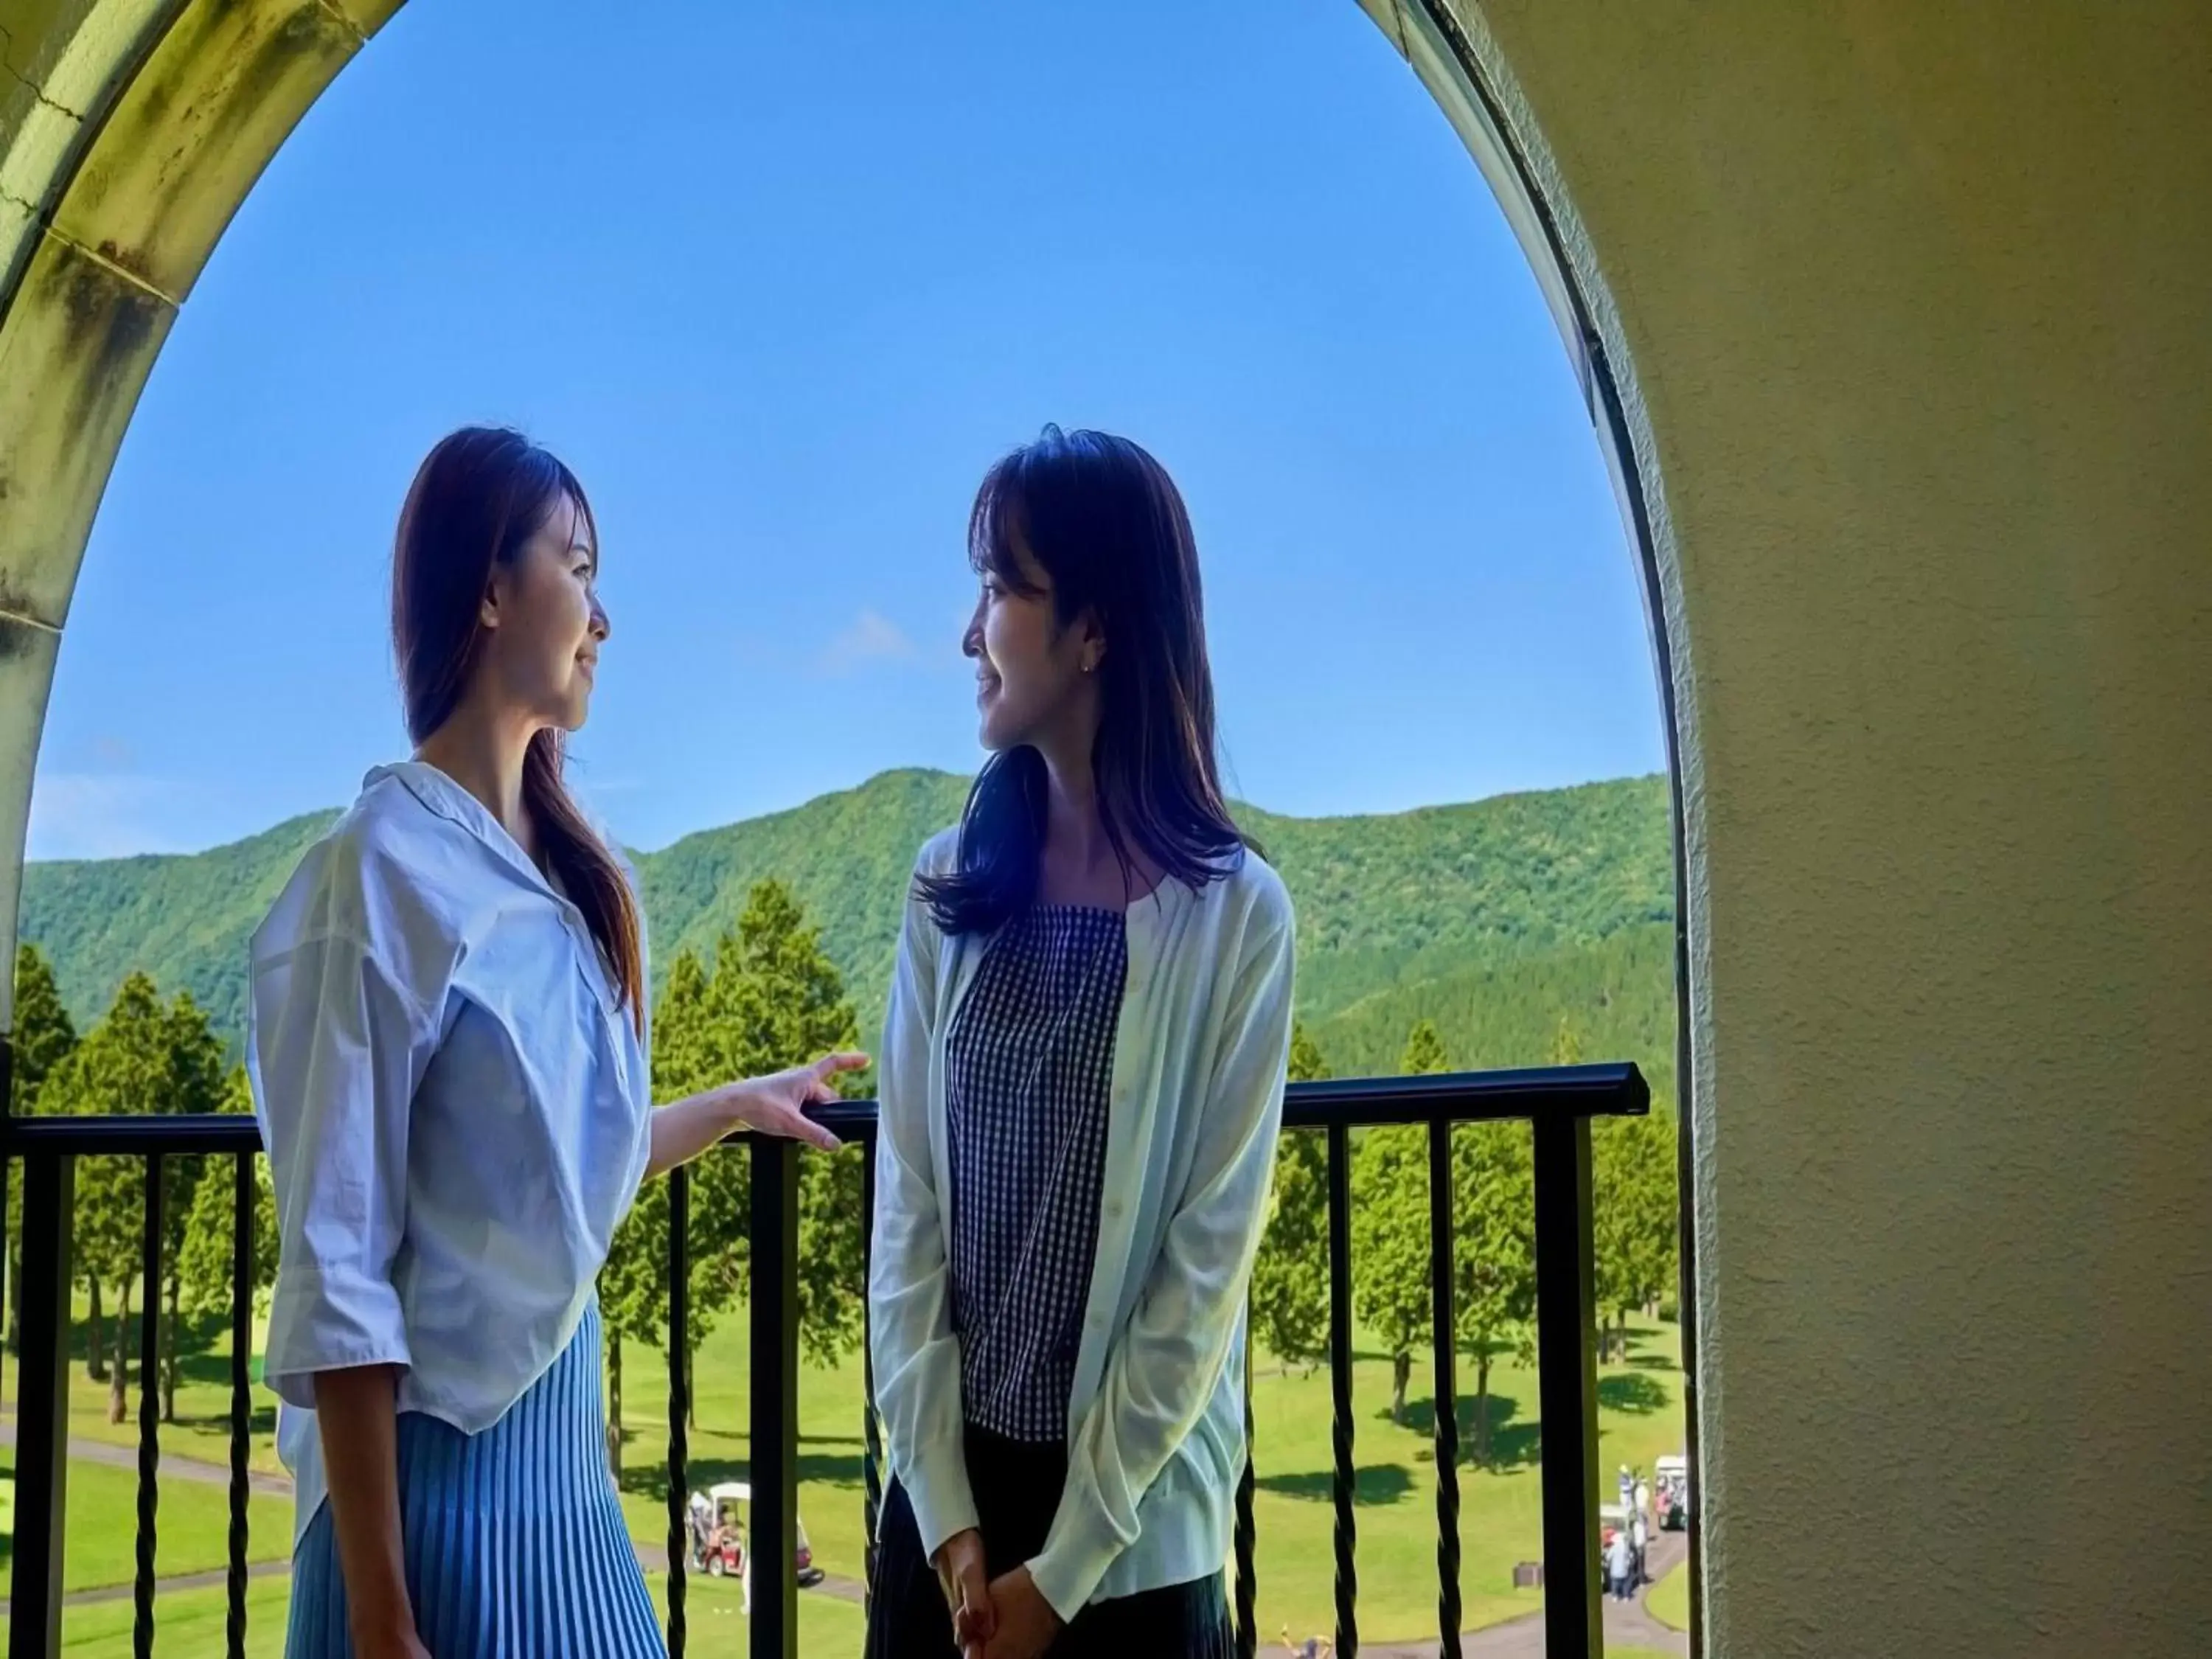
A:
{"x": 1002, "y": 1618}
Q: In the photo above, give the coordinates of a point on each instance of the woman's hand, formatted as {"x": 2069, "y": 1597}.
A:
{"x": 1027, "y": 1624}
{"x": 775, "y": 1104}
{"x": 965, "y": 1578}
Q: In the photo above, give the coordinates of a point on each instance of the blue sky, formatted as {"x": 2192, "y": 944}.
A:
{"x": 781, "y": 280}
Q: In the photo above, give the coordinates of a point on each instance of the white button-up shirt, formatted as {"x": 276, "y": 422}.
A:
{"x": 457, "y": 1111}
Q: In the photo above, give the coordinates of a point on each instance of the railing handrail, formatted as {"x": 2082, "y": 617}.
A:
{"x": 1557, "y": 1101}
{"x": 1527, "y": 1094}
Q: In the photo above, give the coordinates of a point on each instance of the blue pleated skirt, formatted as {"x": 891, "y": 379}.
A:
{"x": 515, "y": 1545}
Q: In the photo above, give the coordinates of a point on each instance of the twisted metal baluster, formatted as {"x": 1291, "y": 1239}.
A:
{"x": 1247, "y": 1589}
{"x": 243, "y": 1205}
{"x": 1443, "y": 1338}
{"x": 1339, "y": 1379}
{"x": 872, "y": 1479}
{"x": 150, "y": 1414}
{"x": 680, "y": 1313}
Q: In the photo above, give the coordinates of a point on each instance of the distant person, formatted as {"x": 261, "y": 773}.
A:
{"x": 448, "y": 1058}
{"x": 702, "y": 1529}
{"x": 1620, "y": 1566}
{"x": 1639, "y": 1540}
{"x": 1627, "y": 1487}
{"x": 1082, "y": 1082}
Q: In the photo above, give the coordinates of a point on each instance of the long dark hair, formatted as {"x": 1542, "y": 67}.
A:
{"x": 476, "y": 499}
{"x": 1109, "y": 527}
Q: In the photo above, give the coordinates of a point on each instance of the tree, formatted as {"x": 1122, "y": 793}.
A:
{"x": 1494, "y": 1260}
{"x": 1634, "y": 1221}
{"x": 141, "y": 1059}
{"x": 1425, "y": 1054}
{"x": 196, "y": 1084}
{"x": 1390, "y": 1232}
{"x": 123, "y": 1065}
{"x": 43, "y": 1037}
{"x": 203, "y": 1263}
{"x": 43, "y": 1032}
{"x": 773, "y": 1000}
{"x": 1289, "y": 1277}
{"x": 201, "y": 1277}
{"x": 634, "y": 1297}
{"x": 776, "y": 1001}
{"x": 634, "y": 1279}
{"x": 1633, "y": 1210}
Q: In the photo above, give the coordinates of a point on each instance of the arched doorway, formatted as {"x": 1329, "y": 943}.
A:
{"x": 158, "y": 124}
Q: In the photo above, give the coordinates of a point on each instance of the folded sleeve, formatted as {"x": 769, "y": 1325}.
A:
{"x": 1164, "y": 1370}
{"x": 341, "y": 1034}
{"x": 912, "y": 1347}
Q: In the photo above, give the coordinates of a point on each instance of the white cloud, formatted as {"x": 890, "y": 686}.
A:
{"x": 871, "y": 638}
{"x": 101, "y": 814}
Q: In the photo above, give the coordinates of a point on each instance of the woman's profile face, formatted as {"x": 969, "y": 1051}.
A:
{"x": 545, "y": 624}
{"x": 1031, "y": 674}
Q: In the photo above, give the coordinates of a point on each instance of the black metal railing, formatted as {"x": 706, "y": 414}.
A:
{"x": 1558, "y": 1103}
{"x": 49, "y": 1149}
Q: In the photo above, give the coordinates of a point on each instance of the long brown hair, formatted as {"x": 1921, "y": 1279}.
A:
{"x": 1108, "y": 525}
{"x": 476, "y": 499}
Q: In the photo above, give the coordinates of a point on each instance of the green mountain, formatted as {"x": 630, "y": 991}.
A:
{"x": 1496, "y": 919}
{"x": 185, "y": 919}
{"x": 1617, "y": 995}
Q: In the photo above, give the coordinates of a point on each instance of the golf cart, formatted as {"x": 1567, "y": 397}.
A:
{"x": 1670, "y": 1494}
{"x": 718, "y": 1535}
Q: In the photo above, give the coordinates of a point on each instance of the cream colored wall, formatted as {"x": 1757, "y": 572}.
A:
{"x": 1916, "y": 301}
{"x": 1908, "y": 301}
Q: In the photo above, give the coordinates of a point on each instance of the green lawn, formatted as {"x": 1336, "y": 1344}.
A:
{"x": 1500, "y": 1509}
{"x": 1669, "y": 1598}
{"x": 191, "y": 1527}
{"x": 1640, "y": 1419}
{"x": 202, "y": 1428}
{"x": 189, "y": 1624}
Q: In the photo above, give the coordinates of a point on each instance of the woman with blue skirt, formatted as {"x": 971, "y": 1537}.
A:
{"x": 448, "y": 1053}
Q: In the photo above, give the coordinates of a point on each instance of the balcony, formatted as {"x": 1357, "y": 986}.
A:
{"x": 1558, "y": 1103}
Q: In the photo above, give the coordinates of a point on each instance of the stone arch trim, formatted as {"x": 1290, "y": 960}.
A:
{"x": 129, "y": 134}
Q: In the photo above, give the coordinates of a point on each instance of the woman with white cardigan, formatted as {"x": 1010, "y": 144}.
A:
{"x": 1082, "y": 1078}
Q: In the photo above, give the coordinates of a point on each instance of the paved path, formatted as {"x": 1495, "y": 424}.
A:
{"x": 654, "y": 1559}
{"x": 189, "y": 1580}
{"x": 1627, "y": 1624}
{"x": 173, "y": 1467}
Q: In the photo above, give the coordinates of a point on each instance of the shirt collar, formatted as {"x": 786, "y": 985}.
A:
{"x": 439, "y": 794}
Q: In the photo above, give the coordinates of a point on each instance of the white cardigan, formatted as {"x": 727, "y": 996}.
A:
{"x": 1156, "y": 1441}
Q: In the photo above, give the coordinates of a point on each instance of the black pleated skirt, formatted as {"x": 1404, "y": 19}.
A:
{"x": 1017, "y": 1486}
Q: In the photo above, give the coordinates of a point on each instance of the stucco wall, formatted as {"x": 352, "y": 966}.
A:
{"x": 1908, "y": 302}
{"x": 1917, "y": 302}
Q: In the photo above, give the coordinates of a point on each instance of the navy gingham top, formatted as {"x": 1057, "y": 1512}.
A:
{"x": 1029, "y": 1070}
